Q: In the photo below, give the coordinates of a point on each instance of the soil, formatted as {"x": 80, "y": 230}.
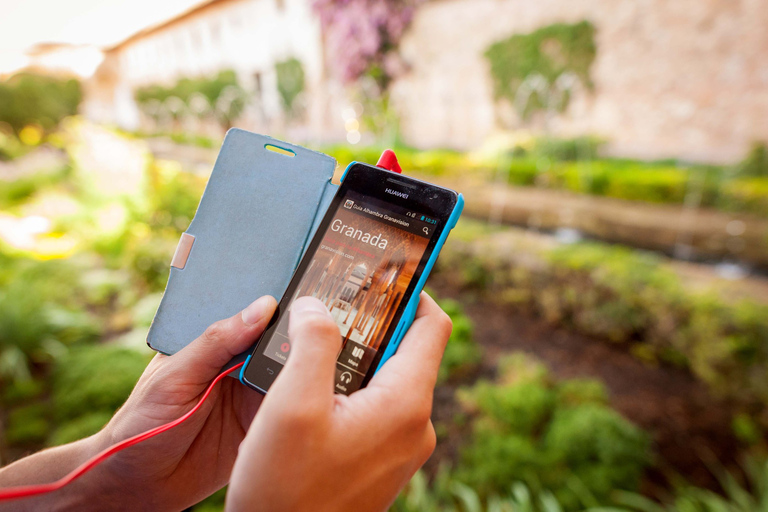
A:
{"x": 687, "y": 424}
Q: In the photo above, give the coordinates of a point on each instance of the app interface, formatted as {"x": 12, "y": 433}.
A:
{"x": 360, "y": 270}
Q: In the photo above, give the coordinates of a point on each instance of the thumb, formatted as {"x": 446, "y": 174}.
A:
{"x": 315, "y": 343}
{"x": 223, "y": 340}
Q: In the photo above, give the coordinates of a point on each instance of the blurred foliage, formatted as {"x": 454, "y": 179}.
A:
{"x": 568, "y": 150}
{"x": 653, "y": 182}
{"x": 10, "y": 145}
{"x": 756, "y": 162}
{"x": 13, "y": 193}
{"x": 749, "y": 494}
{"x": 436, "y": 162}
{"x": 447, "y": 494}
{"x": 34, "y": 100}
{"x": 220, "y": 97}
{"x": 60, "y": 322}
{"x": 462, "y": 354}
{"x": 290, "y": 82}
{"x": 548, "y": 52}
{"x": 96, "y": 378}
{"x": 570, "y": 164}
{"x": 179, "y": 137}
{"x": 747, "y": 194}
{"x": 89, "y": 384}
{"x": 210, "y": 87}
{"x": 40, "y": 313}
{"x": 556, "y": 436}
{"x": 625, "y": 296}
{"x": 58, "y": 383}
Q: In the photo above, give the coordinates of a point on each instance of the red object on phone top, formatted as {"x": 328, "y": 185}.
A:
{"x": 388, "y": 161}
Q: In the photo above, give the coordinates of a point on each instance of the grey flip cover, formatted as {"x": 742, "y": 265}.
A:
{"x": 254, "y": 222}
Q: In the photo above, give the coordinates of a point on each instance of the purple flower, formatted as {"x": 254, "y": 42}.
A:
{"x": 361, "y": 33}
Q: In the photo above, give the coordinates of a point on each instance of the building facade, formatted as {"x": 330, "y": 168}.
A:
{"x": 685, "y": 79}
{"x": 246, "y": 36}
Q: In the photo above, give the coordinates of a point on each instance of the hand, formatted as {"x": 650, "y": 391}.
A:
{"x": 181, "y": 467}
{"x": 309, "y": 449}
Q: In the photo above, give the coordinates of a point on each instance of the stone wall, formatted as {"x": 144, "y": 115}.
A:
{"x": 673, "y": 78}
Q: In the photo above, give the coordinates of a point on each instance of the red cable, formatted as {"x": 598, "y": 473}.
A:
{"x": 24, "y": 491}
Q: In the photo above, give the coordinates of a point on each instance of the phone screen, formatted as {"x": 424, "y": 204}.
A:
{"x": 360, "y": 270}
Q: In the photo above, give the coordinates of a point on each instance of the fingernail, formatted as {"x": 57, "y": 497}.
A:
{"x": 257, "y": 310}
{"x": 306, "y": 305}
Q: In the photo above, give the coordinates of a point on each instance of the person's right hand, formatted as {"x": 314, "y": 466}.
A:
{"x": 309, "y": 449}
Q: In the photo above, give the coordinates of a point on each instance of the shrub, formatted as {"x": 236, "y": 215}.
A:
{"x": 10, "y": 146}
{"x": 655, "y": 185}
{"x": 623, "y": 296}
{"x": 27, "y": 425}
{"x": 29, "y": 99}
{"x": 462, "y": 354}
{"x": 434, "y": 162}
{"x": 447, "y": 494}
{"x": 568, "y": 150}
{"x": 755, "y": 164}
{"x": 222, "y": 96}
{"x": 290, "y": 81}
{"x": 79, "y": 428}
{"x": 21, "y": 189}
{"x": 95, "y": 379}
{"x": 213, "y": 503}
{"x": 549, "y": 51}
{"x": 40, "y": 311}
{"x": 747, "y": 194}
{"x": 522, "y": 172}
{"x": 739, "y": 494}
{"x": 529, "y": 428}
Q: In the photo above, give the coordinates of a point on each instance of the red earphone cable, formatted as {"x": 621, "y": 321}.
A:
{"x": 24, "y": 491}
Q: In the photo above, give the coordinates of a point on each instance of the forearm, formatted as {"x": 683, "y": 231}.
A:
{"x": 89, "y": 491}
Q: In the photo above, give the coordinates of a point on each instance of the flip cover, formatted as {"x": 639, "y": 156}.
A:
{"x": 257, "y": 215}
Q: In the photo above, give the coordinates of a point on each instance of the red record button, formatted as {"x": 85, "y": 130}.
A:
{"x": 285, "y": 347}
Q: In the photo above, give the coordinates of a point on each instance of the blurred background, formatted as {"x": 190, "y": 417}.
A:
{"x": 608, "y": 282}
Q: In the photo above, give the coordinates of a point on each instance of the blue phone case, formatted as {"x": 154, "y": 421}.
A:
{"x": 413, "y": 303}
{"x": 257, "y": 215}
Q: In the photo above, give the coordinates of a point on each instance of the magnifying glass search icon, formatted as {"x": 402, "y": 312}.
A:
{"x": 425, "y": 230}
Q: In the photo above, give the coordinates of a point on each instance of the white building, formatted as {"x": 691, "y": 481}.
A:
{"x": 684, "y": 79}
{"x": 247, "y": 36}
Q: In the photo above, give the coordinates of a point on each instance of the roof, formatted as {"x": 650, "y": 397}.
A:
{"x": 203, "y": 6}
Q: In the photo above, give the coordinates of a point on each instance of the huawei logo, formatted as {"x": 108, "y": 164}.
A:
{"x": 396, "y": 193}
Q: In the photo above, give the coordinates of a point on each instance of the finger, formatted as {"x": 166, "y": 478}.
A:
{"x": 412, "y": 371}
{"x": 315, "y": 343}
{"x": 223, "y": 340}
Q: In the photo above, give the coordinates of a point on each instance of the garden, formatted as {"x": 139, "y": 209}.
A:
{"x": 580, "y": 375}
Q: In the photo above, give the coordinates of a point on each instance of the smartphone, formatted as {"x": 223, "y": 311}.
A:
{"x": 367, "y": 263}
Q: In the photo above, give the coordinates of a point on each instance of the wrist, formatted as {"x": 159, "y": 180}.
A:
{"x": 89, "y": 489}
{"x": 51, "y": 465}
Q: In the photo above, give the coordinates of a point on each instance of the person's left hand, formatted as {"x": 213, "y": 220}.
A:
{"x": 179, "y": 468}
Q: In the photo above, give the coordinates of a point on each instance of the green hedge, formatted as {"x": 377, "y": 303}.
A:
{"x": 434, "y": 162}
{"x": 89, "y": 384}
{"x": 623, "y": 296}
{"x": 560, "y": 164}
{"x": 548, "y": 434}
{"x": 41, "y": 312}
{"x": 462, "y": 354}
